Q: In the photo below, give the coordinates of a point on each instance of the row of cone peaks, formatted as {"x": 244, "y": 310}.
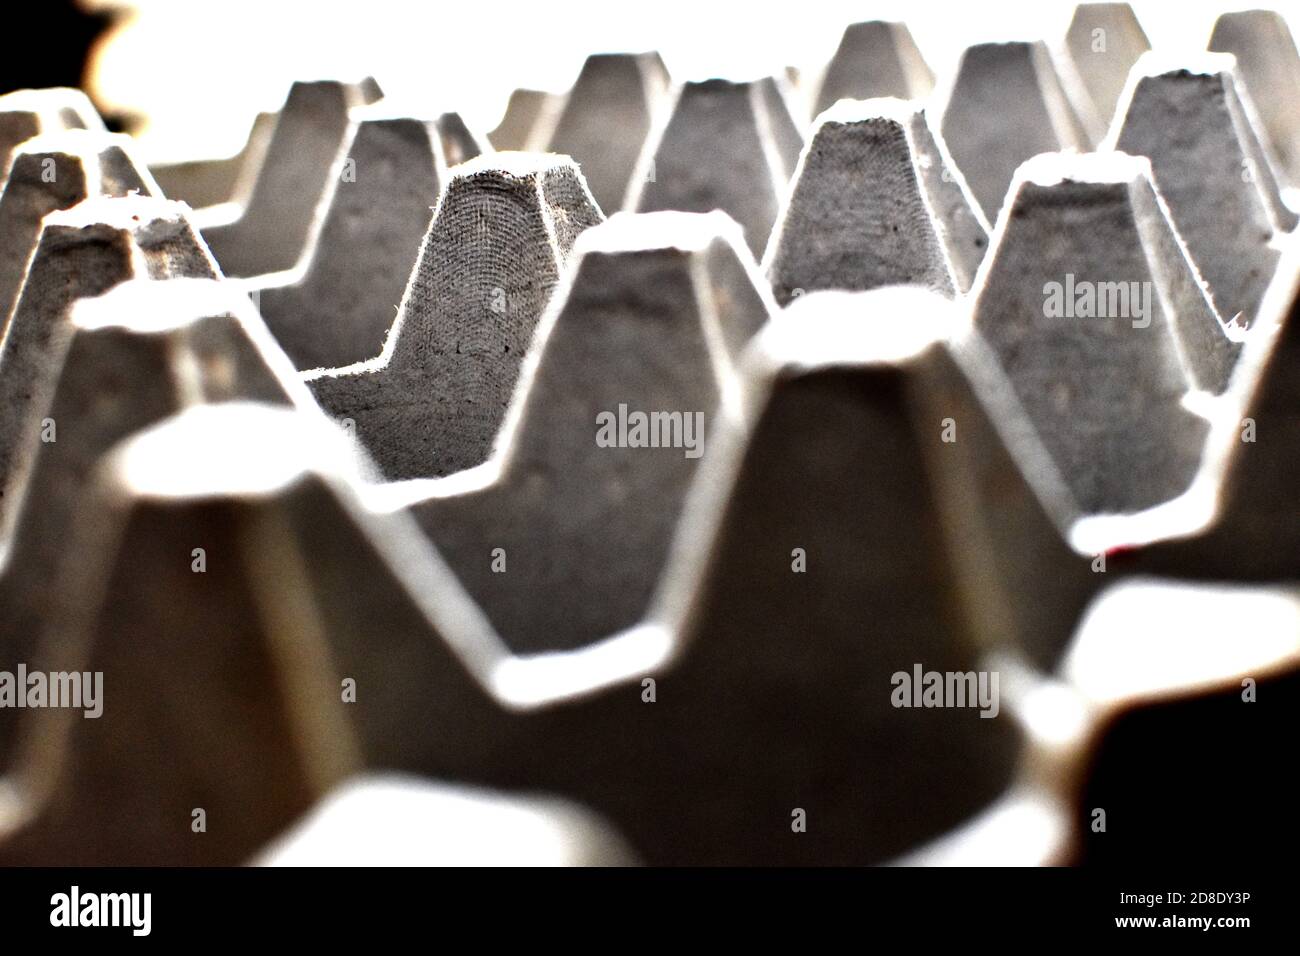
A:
{"x": 183, "y": 424}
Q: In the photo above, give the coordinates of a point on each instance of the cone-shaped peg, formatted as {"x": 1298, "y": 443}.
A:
{"x": 140, "y": 352}
{"x": 54, "y": 172}
{"x": 28, "y": 113}
{"x": 1269, "y": 66}
{"x": 875, "y": 202}
{"x": 339, "y": 311}
{"x": 874, "y": 60}
{"x": 1006, "y": 105}
{"x": 273, "y": 231}
{"x": 1195, "y": 128}
{"x": 728, "y": 146}
{"x": 83, "y": 251}
{"x": 606, "y": 118}
{"x": 614, "y": 410}
{"x": 431, "y": 403}
{"x": 525, "y": 118}
{"x": 1103, "y": 42}
{"x": 1093, "y": 309}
